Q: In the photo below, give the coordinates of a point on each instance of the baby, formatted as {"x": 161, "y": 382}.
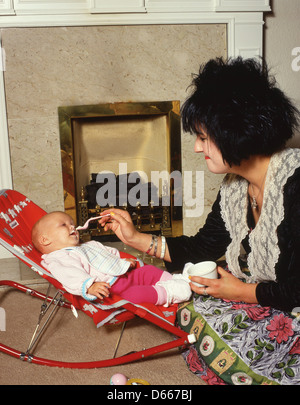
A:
{"x": 93, "y": 270}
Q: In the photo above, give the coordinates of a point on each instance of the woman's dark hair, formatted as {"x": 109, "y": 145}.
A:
{"x": 238, "y": 104}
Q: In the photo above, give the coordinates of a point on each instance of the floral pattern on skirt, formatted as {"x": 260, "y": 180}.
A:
{"x": 241, "y": 344}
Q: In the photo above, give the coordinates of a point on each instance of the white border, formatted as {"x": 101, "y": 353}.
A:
{"x": 5, "y": 164}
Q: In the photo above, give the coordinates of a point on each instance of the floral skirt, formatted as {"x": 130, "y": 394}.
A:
{"x": 241, "y": 344}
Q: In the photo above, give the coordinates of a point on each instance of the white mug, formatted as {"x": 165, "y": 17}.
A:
{"x": 203, "y": 269}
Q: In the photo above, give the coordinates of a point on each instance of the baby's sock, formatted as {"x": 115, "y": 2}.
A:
{"x": 161, "y": 295}
{"x": 166, "y": 276}
{"x": 176, "y": 290}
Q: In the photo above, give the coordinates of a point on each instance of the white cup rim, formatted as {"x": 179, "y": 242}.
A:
{"x": 212, "y": 268}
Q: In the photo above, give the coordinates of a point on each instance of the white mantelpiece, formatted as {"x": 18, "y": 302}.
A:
{"x": 58, "y": 7}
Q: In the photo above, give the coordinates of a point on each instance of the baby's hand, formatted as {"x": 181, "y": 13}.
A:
{"x": 132, "y": 263}
{"x": 99, "y": 289}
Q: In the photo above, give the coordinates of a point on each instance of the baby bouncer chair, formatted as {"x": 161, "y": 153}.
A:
{"x": 17, "y": 216}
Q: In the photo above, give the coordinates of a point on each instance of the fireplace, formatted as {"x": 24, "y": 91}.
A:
{"x": 123, "y": 155}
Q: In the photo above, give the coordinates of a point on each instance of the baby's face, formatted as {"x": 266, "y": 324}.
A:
{"x": 61, "y": 231}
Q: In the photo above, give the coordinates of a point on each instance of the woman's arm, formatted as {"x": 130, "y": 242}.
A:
{"x": 209, "y": 243}
{"x": 121, "y": 224}
{"x": 284, "y": 293}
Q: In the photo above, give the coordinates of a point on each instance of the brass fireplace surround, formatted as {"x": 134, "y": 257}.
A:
{"x": 142, "y": 137}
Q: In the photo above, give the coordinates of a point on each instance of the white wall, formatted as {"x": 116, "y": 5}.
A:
{"x": 282, "y": 35}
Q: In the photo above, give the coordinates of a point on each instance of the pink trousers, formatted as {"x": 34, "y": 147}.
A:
{"x": 138, "y": 285}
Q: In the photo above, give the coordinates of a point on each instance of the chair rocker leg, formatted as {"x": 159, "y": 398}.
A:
{"x": 119, "y": 339}
{"x": 56, "y": 301}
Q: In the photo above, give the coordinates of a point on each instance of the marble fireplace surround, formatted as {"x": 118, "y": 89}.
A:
{"x": 238, "y": 33}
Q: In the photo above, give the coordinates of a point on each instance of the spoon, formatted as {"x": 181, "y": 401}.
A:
{"x": 85, "y": 226}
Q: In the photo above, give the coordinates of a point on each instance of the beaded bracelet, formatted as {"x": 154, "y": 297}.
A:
{"x": 151, "y": 244}
{"x": 155, "y": 246}
{"x": 154, "y": 241}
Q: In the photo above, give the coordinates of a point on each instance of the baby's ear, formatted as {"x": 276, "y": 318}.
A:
{"x": 44, "y": 240}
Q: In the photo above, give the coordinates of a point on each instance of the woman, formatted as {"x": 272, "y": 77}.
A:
{"x": 246, "y": 332}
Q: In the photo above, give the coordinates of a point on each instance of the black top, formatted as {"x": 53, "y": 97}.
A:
{"x": 211, "y": 241}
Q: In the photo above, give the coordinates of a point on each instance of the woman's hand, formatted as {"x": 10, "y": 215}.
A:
{"x": 99, "y": 289}
{"x": 120, "y": 223}
{"x": 227, "y": 287}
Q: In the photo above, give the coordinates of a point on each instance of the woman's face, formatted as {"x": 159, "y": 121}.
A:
{"x": 212, "y": 154}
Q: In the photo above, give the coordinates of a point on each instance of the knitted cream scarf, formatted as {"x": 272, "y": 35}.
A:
{"x": 263, "y": 239}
